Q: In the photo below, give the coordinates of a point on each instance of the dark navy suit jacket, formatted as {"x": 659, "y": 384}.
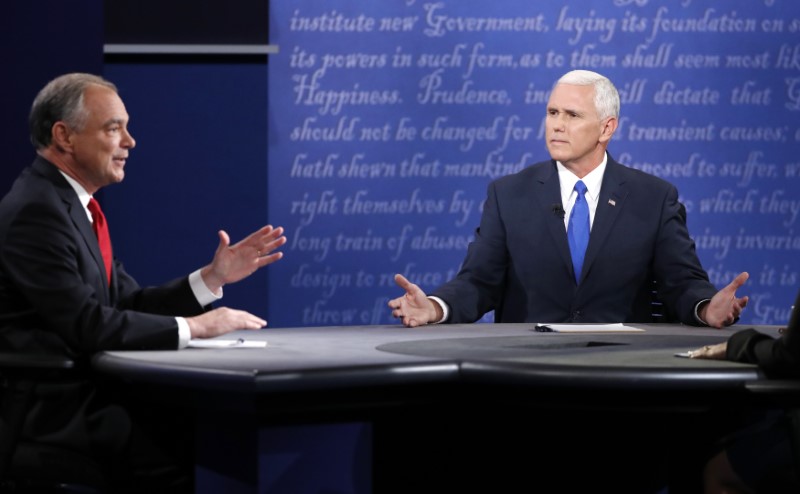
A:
{"x": 519, "y": 264}
{"x": 54, "y": 295}
{"x": 55, "y": 298}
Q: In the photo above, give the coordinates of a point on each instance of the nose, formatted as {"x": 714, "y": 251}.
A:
{"x": 128, "y": 142}
{"x": 557, "y": 123}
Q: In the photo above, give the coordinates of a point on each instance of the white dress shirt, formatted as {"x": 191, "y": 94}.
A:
{"x": 593, "y": 180}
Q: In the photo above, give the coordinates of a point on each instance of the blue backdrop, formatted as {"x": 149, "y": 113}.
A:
{"x": 387, "y": 120}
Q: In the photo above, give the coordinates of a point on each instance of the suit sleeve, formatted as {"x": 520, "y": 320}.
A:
{"x": 776, "y": 357}
{"x": 682, "y": 281}
{"x": 478, "y": 286}
{"x": 171, "y": 299}
{"x": 57, "y": 283}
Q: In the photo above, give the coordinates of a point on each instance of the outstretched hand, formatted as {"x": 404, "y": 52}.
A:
{"x": 724, "y": 308}
{"x": 413, "y": 308}
{"x": 232, "y": 263}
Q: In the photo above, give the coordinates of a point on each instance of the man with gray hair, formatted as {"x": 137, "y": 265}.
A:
{"x": 579, "y": 238}
{"x": 63, "y": 292}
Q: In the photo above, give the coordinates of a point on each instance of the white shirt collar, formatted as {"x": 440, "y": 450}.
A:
{"x": 593, "y": 181}
{"x": 83, "y": 196}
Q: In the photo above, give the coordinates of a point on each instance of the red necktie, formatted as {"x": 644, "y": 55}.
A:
{"x": 100, "y": 228}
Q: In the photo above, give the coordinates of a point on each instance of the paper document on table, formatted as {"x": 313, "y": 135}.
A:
{"x": 586, "y": 328}
{"x": 216, "y": 343}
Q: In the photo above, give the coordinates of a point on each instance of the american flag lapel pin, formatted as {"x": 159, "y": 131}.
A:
{"x": 612, "y": 202}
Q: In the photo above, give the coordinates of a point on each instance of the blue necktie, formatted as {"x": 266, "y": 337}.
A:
{"x": 578, "y": 230}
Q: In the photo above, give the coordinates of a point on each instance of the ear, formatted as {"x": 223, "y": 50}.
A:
{"x": 609, "y": 126}
{"x": 61, "y": 136}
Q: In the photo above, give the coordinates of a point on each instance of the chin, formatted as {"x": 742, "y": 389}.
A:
{"x": 558, "y": 149}
{"x": 558, "y": 156}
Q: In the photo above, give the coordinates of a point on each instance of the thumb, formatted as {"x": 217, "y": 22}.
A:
{"x": 403, "y": 283}
{"x": 411, "y": 289}
{"x": 224, "y": 240}
{"x": 738, "y": 282}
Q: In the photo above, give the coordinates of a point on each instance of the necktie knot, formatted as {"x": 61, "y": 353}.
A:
{"x": 580, "y": 188}
{"x": 100, "y": 228}
{"x": 97, "y": 213}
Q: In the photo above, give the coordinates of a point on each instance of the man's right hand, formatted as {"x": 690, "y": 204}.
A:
{"x": 221, "y": 321}
{"x": 414, "y": 308}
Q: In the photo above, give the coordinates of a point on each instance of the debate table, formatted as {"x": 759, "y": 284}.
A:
{"x": 334, "y": 409}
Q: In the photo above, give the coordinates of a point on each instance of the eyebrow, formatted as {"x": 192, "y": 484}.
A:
{"x": 566, "y": 110}
{"x": 114, "y": 121}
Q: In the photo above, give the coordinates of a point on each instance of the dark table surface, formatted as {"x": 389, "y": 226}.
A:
{"x": 307, "y": 359}
{"x": 435, "y": 399}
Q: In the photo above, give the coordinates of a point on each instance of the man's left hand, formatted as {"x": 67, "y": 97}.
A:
{"x": 232, "y": 263}
{"x": 724, "y": 308}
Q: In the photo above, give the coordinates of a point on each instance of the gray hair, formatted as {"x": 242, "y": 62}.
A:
{"x": 606, "y": 97}
{"x": 61, "y": 100}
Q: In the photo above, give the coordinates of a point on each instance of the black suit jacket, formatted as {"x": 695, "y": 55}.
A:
{"x": 54, "y": 295}
{"x": 519, "y": 263}
{"x": 55, "y": 298}
{"x": 776, "y": 357}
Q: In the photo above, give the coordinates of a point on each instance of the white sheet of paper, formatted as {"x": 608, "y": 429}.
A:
{"x": 588, "y": 328}
{"x": 216, "y": 343}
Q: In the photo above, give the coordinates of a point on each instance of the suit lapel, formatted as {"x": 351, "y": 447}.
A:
{"x": 613, "y": 192}
{"x": 549, "y": 196}
{"x": 77, "y": 214}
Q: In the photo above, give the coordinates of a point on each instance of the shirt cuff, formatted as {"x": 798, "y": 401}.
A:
{"x": 697, "y": 311}
{"x": 201, "y": 292}
{"x": 184, "y": 334}
{"x": 445, "y": 309}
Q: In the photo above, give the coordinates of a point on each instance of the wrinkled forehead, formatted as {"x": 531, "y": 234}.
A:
{"x": 572, "y": 97}
{"x": 104, "y": 104}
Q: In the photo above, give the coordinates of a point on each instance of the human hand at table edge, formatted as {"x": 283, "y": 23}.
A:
{"x": 711, "y": 352}
{"x": 724, "y": 308}
{"x": 414, "y": 308}
{"x": 221, "y": 321}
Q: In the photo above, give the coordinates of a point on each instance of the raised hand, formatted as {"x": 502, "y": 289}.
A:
{"x": 724, "y": 308}
{"x": 232, "y": 263}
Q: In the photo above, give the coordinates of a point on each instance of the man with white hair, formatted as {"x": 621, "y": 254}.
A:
{"x": 579, "y": 238}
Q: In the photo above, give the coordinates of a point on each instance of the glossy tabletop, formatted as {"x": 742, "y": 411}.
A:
{"x": 307, "y": 359}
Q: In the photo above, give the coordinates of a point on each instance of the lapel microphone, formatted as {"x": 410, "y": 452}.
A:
{"x": 558, "y": 210}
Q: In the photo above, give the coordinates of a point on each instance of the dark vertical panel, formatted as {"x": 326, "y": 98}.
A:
{"x": 186, "y": 22}
{"x": 39, "y": 40}
{"x": 200, "y": 165}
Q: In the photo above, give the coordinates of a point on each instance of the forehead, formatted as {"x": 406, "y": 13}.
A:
{"x": 103, "y": 104}
{"x": 570, "y": 96}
